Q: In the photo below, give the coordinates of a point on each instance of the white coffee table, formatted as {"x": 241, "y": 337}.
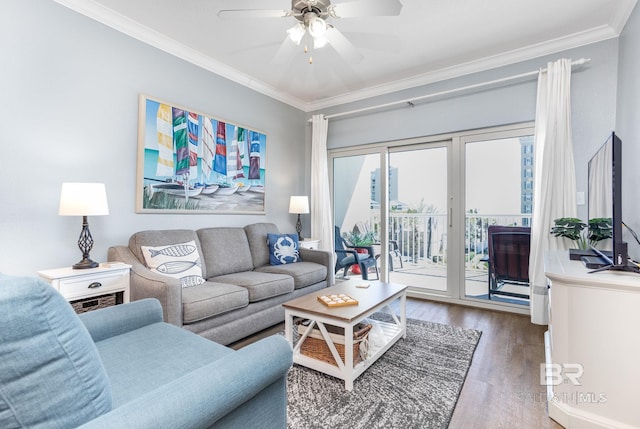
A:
{"x": 374, "y": 298}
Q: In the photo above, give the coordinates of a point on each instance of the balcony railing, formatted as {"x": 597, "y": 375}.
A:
{"x": 422, "y": 238}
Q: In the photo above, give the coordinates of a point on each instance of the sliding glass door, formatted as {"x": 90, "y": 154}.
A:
{"x": 498, "y": 187}
{"x": 426, "y": 205}
{"x": 418, "y": 221}
{"x": 356, "y": 204}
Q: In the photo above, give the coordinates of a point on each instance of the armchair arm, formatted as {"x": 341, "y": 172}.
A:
{"x": 146, "y": 284}
{"x": 118, "y": 319}
{"x": 321, "y": 257}
{"x": 204, "y": 396}
{"x": 347, "y": 252}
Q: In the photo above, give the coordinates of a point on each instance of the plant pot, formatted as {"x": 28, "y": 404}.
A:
{"x": 355, "y": 269}
{"x": 577, "y": 254}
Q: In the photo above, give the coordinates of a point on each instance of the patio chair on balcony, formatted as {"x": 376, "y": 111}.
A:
{"x": 509, "y": 248}
{"x": 394, "y": 249}
{"x": 348, "y": 255}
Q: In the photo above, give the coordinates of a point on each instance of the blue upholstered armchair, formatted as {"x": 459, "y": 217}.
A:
{"x": 122, "y": 367}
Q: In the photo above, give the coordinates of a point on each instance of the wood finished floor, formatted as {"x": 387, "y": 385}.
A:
{"x": 502, "y": 388}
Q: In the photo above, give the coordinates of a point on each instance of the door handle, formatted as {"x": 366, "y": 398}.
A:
{"x": 94, "y": 285}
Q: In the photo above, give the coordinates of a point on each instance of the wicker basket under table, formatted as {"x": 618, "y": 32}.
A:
{"x": 93, "y": 303}
{"x": 316, "y": 347}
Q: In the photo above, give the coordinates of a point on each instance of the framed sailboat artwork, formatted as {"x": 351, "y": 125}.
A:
{"x": 192, "y": 162}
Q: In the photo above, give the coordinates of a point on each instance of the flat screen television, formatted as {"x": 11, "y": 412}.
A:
{"x": 605, "y": 201}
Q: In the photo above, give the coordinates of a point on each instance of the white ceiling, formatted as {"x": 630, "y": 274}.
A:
{"x": 430, "y": 40}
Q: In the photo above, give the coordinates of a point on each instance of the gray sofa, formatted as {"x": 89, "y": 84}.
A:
{"x": 242, "y": 294}
{"x": 123, "y": 367}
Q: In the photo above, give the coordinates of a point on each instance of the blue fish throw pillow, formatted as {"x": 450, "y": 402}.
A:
{"x": 283, "y": 248}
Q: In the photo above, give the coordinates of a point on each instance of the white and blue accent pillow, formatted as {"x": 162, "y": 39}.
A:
{"x": 181, "y": 261}
{"x": 283, "y": 248}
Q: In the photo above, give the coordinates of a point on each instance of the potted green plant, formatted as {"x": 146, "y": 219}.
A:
{"x": 355, "y": 238}
{"x": 573, "y": 229}
{"x": 600, "y": 228}
{"x": 358, "y": 239}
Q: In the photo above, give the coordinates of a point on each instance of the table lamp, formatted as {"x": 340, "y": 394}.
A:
{"x": 297, "y": 205}
{"x": 84, "y": 199}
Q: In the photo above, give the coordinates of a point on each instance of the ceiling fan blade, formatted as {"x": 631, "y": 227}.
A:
{"x": 375, "y": 41}
{"x": 343, "y": 46}
{"x": 285, "y": 52}
{"x": 359, "y": 8}
{"x": 253, "y": 13}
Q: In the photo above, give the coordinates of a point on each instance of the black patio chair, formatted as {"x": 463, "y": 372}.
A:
{"x": 394, "y": 249}
{"x": 509, "y": 249}
{"x": 348, "y": 256}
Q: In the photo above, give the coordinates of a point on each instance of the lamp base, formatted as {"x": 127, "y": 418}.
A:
{"x": 85, "y": 263}
{"x": 299, "y": 228}
{"x": 85, "y": 243}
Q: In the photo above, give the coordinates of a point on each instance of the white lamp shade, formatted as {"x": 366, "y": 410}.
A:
{"x": 299, "y": 204}
{"x": 320, "y": 42}
{"x": 317, "y": 27}
{"x": 83, "y": 199}
{"x": 296, "y": 33}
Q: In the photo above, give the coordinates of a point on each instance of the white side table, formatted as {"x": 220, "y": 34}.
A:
{"x": 310, "y": 243}
{"x": 87, "y": 283}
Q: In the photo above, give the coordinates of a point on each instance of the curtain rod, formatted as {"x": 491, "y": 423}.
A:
{"x": 411, "y": 101}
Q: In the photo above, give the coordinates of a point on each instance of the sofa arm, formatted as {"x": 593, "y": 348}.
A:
{"x": 204, "y": 396}
{"x": 119, "y": 319}
{"x": 146, "y": 284}
{"x": 320, "y": 257}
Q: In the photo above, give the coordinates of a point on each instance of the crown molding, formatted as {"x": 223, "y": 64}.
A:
{"x": 620, "y": 15}
{"x": 594, "y": 35}
{"x": 134, "y": 29}
{"x": 151, "y": 37}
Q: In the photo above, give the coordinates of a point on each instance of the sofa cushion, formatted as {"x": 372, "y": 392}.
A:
{"x": 210, "y": 299}
{"x": 260, "y": 285}
{"x": 283, "y": 248}
{"x": 226, "y": 250}
{"x": 257, "y": 237}
{"x": 303, "y": 273}
{"x": 181, "y": 261}
{"x": 164, "y": 237}
{"x": 44, "y": 346}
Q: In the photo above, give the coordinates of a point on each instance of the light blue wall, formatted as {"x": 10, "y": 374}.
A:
{"x": 593, "y": 92}
{"x": 69, "y": 91}
{"x": 628, "y": 126}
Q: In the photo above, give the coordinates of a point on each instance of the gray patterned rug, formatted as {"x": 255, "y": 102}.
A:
{"x": 415, "y": 384}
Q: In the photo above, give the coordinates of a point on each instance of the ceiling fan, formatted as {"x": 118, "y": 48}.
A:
{"x": 312, "y": 18}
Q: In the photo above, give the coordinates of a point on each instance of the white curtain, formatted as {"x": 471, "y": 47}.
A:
{"x": 321, "y": 223}
{"x": 554, "y": 193}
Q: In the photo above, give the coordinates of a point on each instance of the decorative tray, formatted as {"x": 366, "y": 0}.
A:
{"x": 339, "y": 300}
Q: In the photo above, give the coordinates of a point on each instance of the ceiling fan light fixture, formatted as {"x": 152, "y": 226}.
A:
{"x": 320, "y": 42}
{"x": 317, "y": 27}
{"x": 296, "y": 33}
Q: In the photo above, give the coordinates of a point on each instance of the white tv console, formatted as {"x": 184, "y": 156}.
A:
{"x": 593, "y": 346}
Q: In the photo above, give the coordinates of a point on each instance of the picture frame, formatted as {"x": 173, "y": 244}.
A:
{"x": 191, "y": 162}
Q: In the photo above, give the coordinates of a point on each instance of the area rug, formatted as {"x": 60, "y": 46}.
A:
{"x": 415, "y": 384}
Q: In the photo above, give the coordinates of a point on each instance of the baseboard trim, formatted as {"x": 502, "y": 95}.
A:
{"x": 505, "y": 307}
